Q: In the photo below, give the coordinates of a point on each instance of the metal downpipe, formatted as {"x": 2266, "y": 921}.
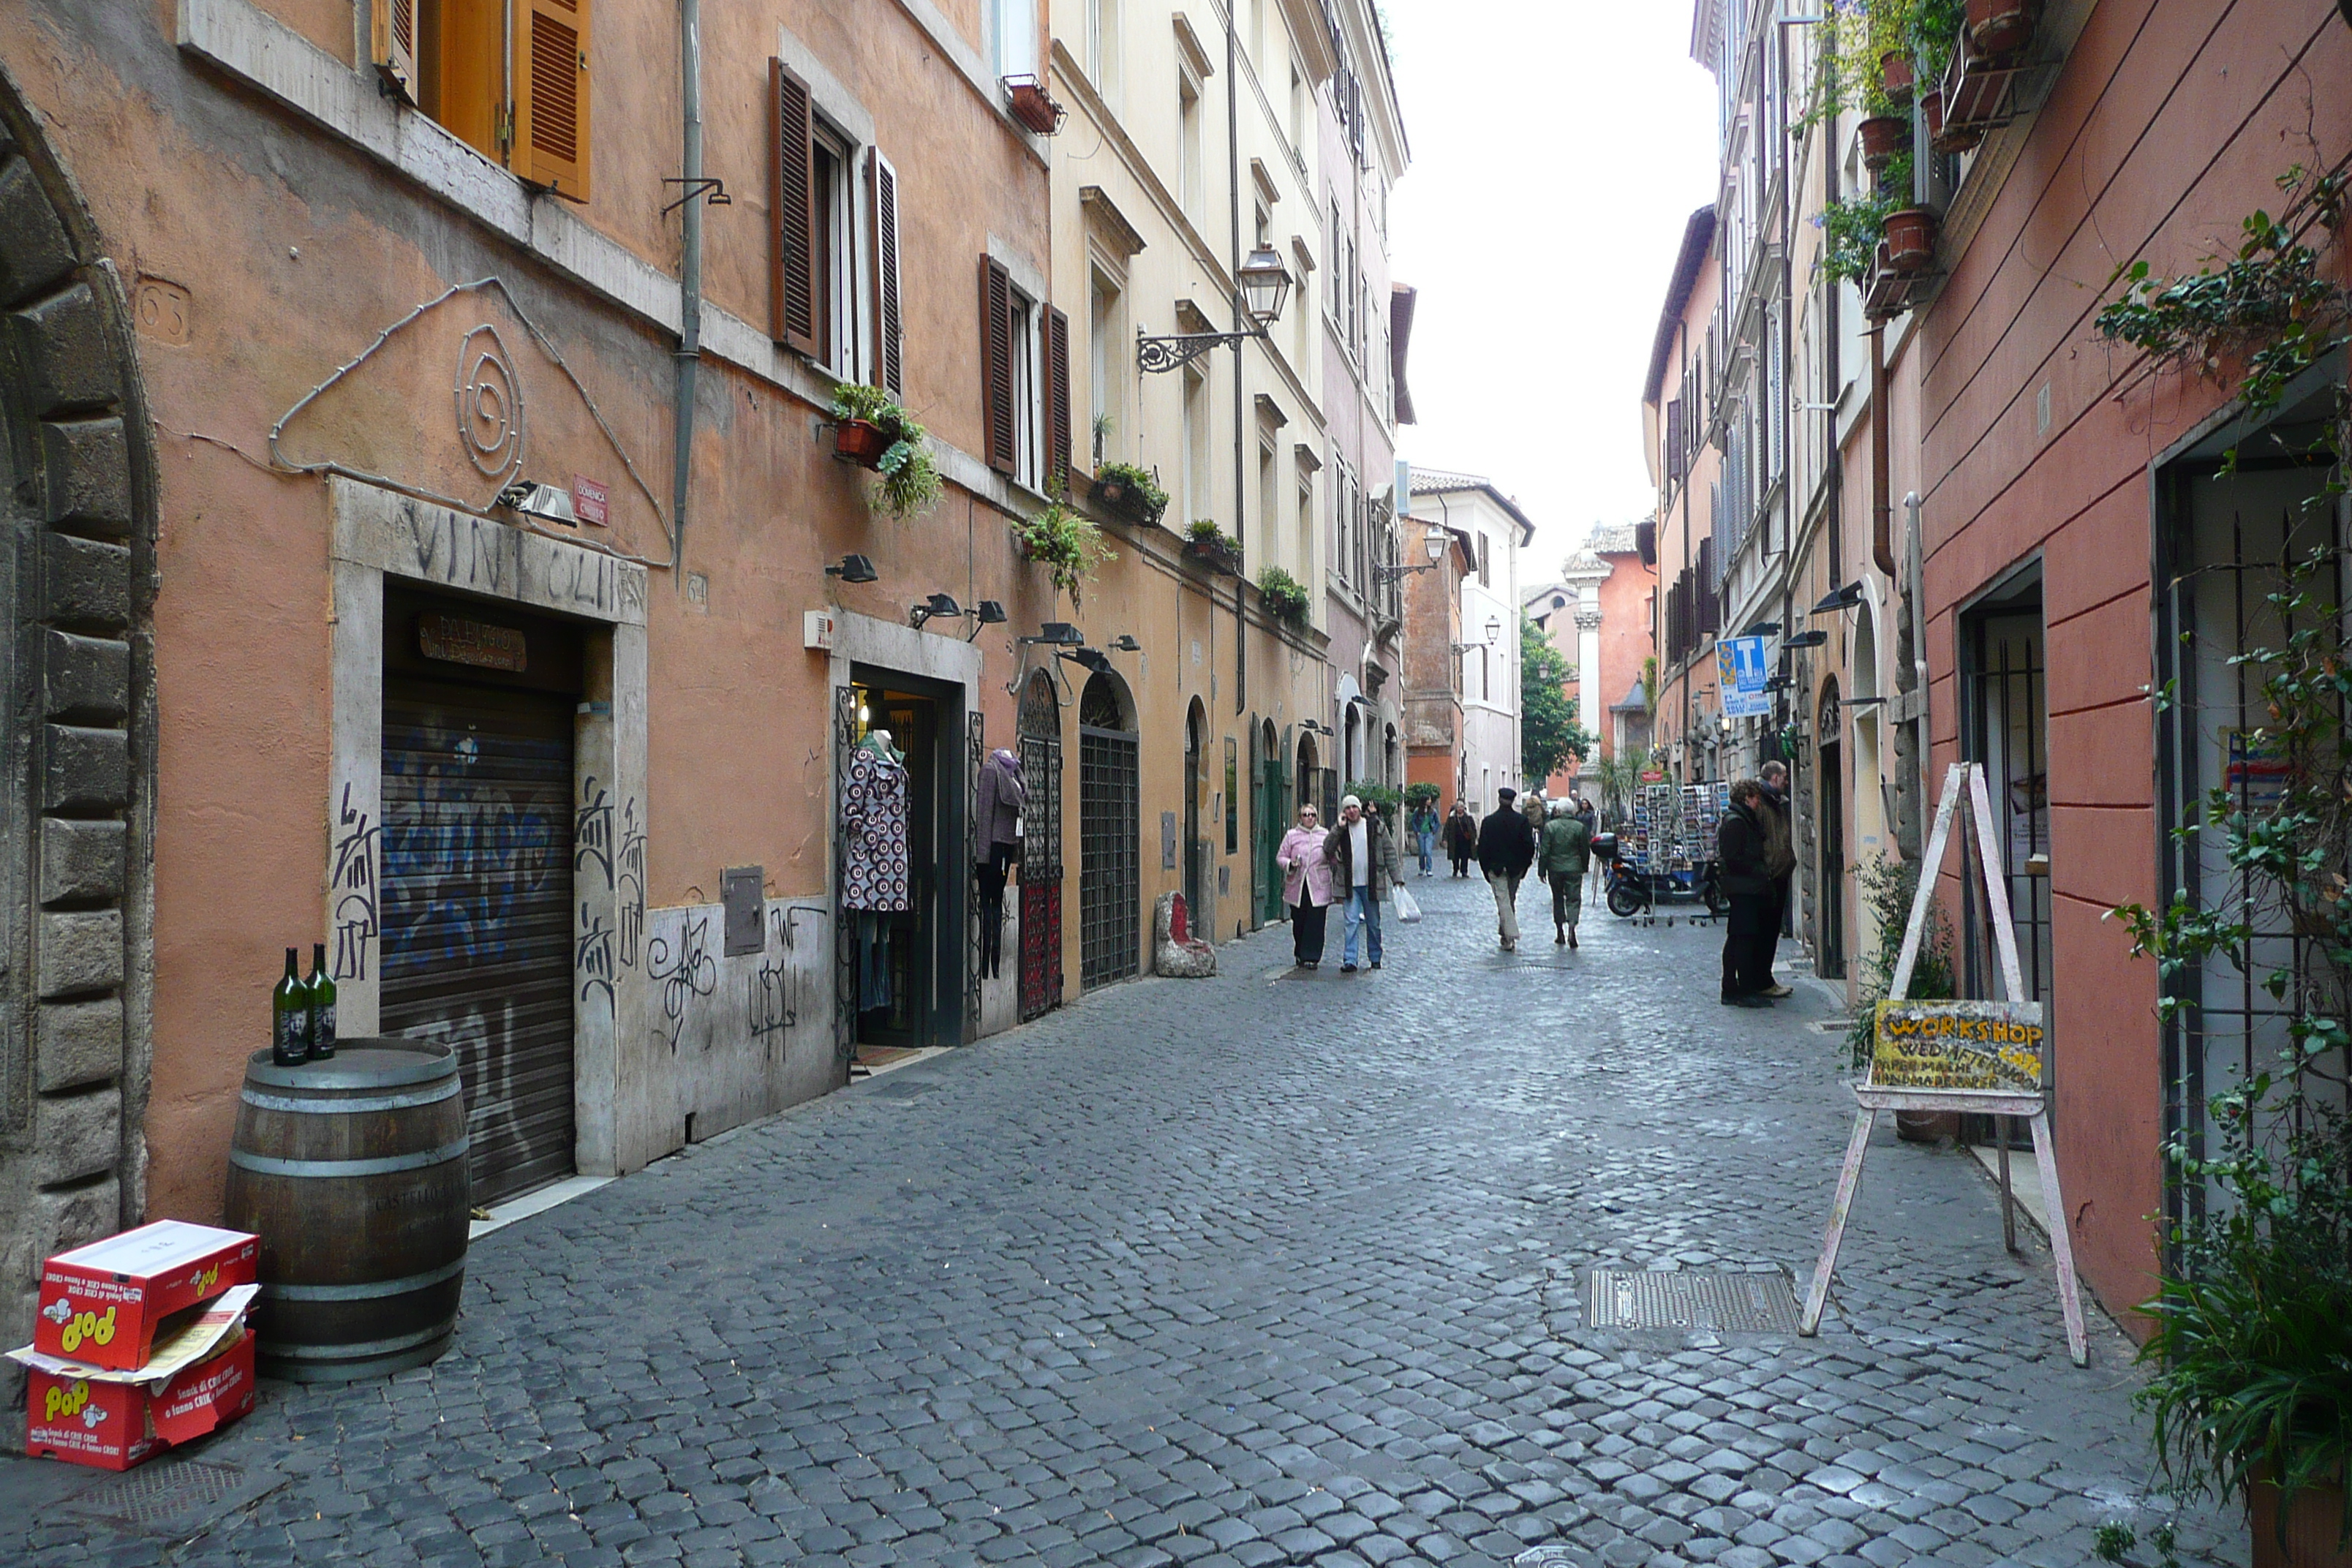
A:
{"x": 690, "y": 288}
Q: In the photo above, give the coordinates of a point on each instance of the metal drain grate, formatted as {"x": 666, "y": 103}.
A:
{"x": 173, "y": 1496}
{"x": 1690, "y": 1298}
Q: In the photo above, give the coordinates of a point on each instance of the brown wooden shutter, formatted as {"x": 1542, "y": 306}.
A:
{"x": 996, "y": 363}
{"x": 792, "y": 190}
{"x": 1058, "y": 367}
{"x": 550, "y": 95}
{"x": 889, "y": 326}
{"x": 1673, "y": 463}
{"x": 394, "y": 26}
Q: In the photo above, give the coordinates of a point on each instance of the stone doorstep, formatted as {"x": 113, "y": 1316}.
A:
{"x": 531, "y": 1203}
{"x": 2024, "y": 1183}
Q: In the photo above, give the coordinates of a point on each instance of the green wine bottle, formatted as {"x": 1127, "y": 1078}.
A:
{"x": 289, "y": 1018}
{"x": 321, "y": 987}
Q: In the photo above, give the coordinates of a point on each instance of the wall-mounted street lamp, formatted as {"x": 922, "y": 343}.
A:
{"x": 1434, "y": 544}
{"x": 1125, "y": 643}
{"x": 853, "y": 569}
{"x": 1813, "y": 639}
{"x": 1844, "y": 598}
{"x": 1264, "y": 286}
{"x": 1494, "y": 636}
{"x": 937, "y": 607}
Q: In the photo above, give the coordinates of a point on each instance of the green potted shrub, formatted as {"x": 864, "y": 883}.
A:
{"x": 1059, "y": 539}
{"x": 1283, "y": 596}
{"x": 1206, "y": 542}
{"x": 1129, "y": 492}
{"x": 871, "y": 430}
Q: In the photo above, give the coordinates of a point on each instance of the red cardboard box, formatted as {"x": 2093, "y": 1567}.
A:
{"x": 101, "y": 1304}
{"x": 114, "y": 1425}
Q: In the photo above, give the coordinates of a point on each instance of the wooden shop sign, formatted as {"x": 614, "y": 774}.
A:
{"x": 1964, "y": 1047}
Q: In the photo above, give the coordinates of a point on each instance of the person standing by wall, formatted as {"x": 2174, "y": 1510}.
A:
{"x": 1306, "y": 886}
{"x": 1739, "y": 843}
{"x": 1505, "y": 849}
{"x": 1590, "y": 815}
{"x": 1565, "y": 856}
{"x": 1773, "y": 811}
{"x": 1424, "y": 827}
{"x": 1461, "y": 838}
{"x": 1363, "y": 859}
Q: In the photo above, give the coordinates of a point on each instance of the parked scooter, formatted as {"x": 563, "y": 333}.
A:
{"x": 1633, "y": 891}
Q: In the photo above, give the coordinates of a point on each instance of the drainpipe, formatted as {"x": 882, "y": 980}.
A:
{"x": 689, "y": 283}
{"x": 1882, "y": 512}
{"x": 1241, "y": 354}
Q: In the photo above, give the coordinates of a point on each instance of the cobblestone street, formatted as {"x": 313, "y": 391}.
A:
{"x": 1272, "y": 1268}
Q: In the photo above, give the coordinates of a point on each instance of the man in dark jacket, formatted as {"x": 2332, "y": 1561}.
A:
{"x": 1739, "y": 844}
{"x": 1772, "y": 810}
{"x": 1506, "y": 848}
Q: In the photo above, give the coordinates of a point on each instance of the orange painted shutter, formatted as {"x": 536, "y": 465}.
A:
{"x": 393, "y": 24}
{"x": 791, "y": 185}
{"x": 550, "y": 95}
{"x": 996, "y": 363}
{"x": 1057, "y": 390}
{"x": 889, "y": 327}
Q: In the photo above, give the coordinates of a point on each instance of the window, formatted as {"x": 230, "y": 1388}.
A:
{"x": 1301, "y": 113}
{"x": 1012, "y": 36}
{"x": 1269, "y": 494}
{"x": 1106, "y": 324}
{"x": 833, "y": 249}
{"x": 1196, "y": 445}
{"x": 1191, "y": 183}
{"x": 1335, "y": 288}
{"x": 1486, "y": 562}
{"x": 1026, "y": 387}
{"x": 509, "y": 77}
{"x": 1024, "y": 381}
{"x": 824, "y": 219}
{"x": 1304, "y": 521}
{"x": 1103, "y": 49}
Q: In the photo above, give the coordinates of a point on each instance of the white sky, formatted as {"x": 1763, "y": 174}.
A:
{"x": 1559, "y": 147}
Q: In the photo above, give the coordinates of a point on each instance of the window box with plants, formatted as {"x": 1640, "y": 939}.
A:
{"x": 1283, "y": 596}
{"x": 1063, "y": 541}
{"x": 871, "y": 430}
{"x": 1129, "y": 493}
{"x": 1212, "y": 546}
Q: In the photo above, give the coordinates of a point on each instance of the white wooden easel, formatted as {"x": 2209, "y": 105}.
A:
{"x": 1962, "y": 779}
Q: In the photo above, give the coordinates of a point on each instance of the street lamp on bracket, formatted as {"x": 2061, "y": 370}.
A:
{"x": 1264, "y": 286}
{"x": 1435, "y": 545}
{"x": 1494, "y": 636}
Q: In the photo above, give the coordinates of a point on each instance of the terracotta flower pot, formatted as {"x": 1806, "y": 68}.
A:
{"x": 1910, "y": 240}
{"x": 1884, "y": 136}
{"x": 2001, "y": 27}
{"x": 2312, "y": 1525}
{"x": 1894, "y": 74}
{"x": 860, "y": 441}
{"x": 1034, "y": 106}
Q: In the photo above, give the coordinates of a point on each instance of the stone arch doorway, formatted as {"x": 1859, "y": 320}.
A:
{"x": 77, "y": 488}
{"x": 1196, "y": 848}
{"x": 1041, "y": 847}
{"x": 1110, "y": 856}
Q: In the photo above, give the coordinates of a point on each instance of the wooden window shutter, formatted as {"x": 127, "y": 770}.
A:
{"x": 996, "y": 363}
{"x": 393, "y": 24}
{"x": 550, "y": 95}
{"x": 889, "y": 321}
{"x": 792, "y": 192}
{"x": 1058, "y": 433}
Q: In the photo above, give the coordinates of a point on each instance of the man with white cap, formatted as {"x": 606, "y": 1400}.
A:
{"x": 1364, "y": 860}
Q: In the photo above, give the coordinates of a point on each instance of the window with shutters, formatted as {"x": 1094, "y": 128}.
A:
{"x": 508, "y": 78}
{"x": 833, "y": 249}
{"x": 833, "y": 262}
{"x": 1024, "y": 382}
{"x": 1028, "y": 391}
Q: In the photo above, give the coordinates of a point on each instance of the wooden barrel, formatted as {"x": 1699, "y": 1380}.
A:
{"x": 353, "y": 1173}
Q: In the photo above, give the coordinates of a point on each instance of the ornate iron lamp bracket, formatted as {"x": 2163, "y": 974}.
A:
{"x": 1175, "y": 349}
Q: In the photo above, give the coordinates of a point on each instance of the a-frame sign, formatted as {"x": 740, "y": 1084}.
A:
{"x": 1980, "y": 1056}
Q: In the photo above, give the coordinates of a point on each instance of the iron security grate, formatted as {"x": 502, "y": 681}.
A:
{"x": 1760, "y": 1303}
{"x": 174, "y": 1498}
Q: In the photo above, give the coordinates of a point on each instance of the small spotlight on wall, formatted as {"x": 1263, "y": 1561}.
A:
{"x": 1125, "y": 643}
{"x": 934, "y": 609}
{"x": 853, "y": 569}
{"x": 990, "y": 613}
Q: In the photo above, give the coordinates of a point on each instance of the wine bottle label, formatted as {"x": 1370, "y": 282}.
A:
{"x": 322, "y": 1028}
{"x": 293, "y": 1037}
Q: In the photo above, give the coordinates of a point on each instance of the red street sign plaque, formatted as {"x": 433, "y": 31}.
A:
{"x": 588, "y": 501}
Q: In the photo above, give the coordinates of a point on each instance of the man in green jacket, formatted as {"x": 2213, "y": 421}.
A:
{"x": 1565, "y": 856}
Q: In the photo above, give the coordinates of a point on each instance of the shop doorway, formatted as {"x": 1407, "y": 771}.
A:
{"x": 908, "y": 964}
{"x": 476, "y": 916}
{"x": 1272, "y": 791}
{"x": 1041, "y": 847}
{"x": 1196, "y": 781}
{"x": 1829, "y": 784}
{"x": 1109, "y": 870}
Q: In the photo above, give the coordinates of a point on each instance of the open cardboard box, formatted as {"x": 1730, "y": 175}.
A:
{"x": 101, "y": 1305}
{"x": 201, "y": 1378}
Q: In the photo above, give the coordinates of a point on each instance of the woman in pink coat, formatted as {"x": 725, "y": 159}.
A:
{"x": 1306, "y": 886}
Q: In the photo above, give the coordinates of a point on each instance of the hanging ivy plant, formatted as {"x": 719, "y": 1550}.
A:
{"x": 1284, "y": 594}
{"x": 1065, "y": 543}
{"x": 910, "y": 484}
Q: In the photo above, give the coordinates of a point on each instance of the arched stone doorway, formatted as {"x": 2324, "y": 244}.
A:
{"x": 76, "y": 488}
{"x": 1195, "y": 845}
{"x": 1829, "y": 812}
{"x": 1041, "y": 847}
{"x": 1110, "y": 868}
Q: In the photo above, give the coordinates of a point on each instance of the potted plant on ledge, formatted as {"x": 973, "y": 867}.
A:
{"x": 1129, "y": 493}
{"x": 871, "y": 430}
{"x": 1283, "y": 596}
{"x": 1206, "y": 542}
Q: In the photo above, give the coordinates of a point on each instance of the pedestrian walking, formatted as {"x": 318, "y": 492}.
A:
{"x": 1505, "y": 849}
{"x": 1590, "y": 816}
{"x": 1425, "y": 825}
{"x": 1461, "y": 838}
{"x": 1306, "y": 886}
{"x": 1739, "y": 843}
{"x": 1565, "y": 855}
{"x": 1531, "y": 807}
{"x": 1780, "y": 864}
{"x": 1362, "y": 856}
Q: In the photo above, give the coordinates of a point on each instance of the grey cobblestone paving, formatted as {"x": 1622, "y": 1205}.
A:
{"x": 1272, "y": 1268}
